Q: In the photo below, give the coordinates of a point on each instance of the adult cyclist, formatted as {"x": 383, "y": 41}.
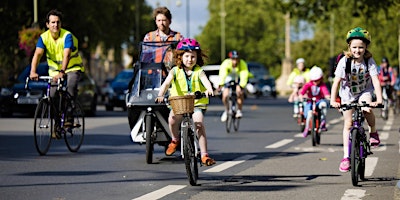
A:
{"x": 233, "y": 68}
{"x": 387, "y": 77}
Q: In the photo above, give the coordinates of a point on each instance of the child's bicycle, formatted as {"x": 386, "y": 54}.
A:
{"x": 57, "y": 117}
{"x": 300, "y": 119}
{"x": 386, "y": 105}
{"x": 359, "y": 147}
{"x": 232, "y": 120}
{"x": 315, "y": 122}
{"x": 190, "y": 149}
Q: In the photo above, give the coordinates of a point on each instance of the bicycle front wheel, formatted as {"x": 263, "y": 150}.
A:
{"x": 75, "y": 132}
{"x": 355, "y": 157}
{"x": 190, "y": 157}
{"x": 236, "y": 122}
{"x": 230, "y": 119}
{"x": 149, "y": 141}
{"x": 43, "y": 128}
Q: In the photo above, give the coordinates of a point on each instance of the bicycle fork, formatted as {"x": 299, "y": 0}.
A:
{"x": 186, "y": 124}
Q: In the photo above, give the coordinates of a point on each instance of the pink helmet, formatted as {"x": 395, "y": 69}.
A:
{"x": 188, "y": 44}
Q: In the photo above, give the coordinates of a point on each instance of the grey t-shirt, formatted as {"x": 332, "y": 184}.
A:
{"x": 358, "y": 81}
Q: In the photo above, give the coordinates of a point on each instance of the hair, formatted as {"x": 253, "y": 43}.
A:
{"x": 54, "y": 12}
{"x": 200, "y": 57}
{"x": 367, "y": 53}
{"x": 162, "y": 10}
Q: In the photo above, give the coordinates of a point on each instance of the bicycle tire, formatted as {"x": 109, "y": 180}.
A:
{"x": 230, "y": 118}
{"x": 301, "y": 121}
{"x": 43, "y": 126}
{"x": 354, "y": 156}
{"x": 149, "y": 142}
{"x": 236, "y": 123}
{"x": 191, "y": 161}
{"x": 385, "y": 110}
{"x": 313, "y": 132}
{"x": 74, "y": 134}
{"x": 361, "y": 167}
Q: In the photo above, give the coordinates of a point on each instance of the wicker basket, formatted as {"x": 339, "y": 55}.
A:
{"x": 182, "y": 104}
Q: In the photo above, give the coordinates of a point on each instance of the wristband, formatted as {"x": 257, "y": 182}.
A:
{"x": 62, "y": 71}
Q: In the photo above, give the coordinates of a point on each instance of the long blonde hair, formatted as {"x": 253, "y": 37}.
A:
{"x": 348, "y": 53}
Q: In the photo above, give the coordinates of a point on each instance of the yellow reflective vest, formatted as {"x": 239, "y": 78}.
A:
{"x": 182, "y": 85}
{"x": 55, "y": 53}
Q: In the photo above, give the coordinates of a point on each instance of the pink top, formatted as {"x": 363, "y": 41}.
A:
{"x": 319, "y": 91}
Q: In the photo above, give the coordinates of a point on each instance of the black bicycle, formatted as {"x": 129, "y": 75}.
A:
{"x": 57, "y": 117}
{"x": 190, "y": 149}
{"x": 359, "y": 147}
{"x": 232, "y": 120}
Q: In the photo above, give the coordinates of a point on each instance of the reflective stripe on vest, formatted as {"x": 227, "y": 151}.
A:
{"x": 55, "y": 53}
{"x": 179, "y": 86}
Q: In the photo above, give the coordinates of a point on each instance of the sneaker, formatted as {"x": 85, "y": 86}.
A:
{"x": 207, "y": 161}
{"x": 323, "y": 126}
{"x": 224, "y": 116}
{"x": 171, "y": 148}
{"x": 305, "y": 132}
{"x": 239, "y": 114}
{"x": 295, "y": 115}
{"x": 344, "y": 165}
{"x": 374, "y": 139}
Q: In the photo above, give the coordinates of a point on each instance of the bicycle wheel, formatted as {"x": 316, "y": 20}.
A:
{"x": 355, "y": 156}
{"x": 385, "y": 110}
{"x": 74, "y": 134}
{"x": 236, "y": 122}
{"x": 301, "y": 121}
{"x": 361, "y": 167}
{"x": 190, "y": 158}
{"x": 313, "y": 131}
{"x": 230, "y": 119}
{"x": 149, "y": 135}
{"x": 43, "y": 128}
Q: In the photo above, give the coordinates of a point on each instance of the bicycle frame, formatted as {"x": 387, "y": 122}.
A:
{"x": 187, "y": 123}
{"x": 315, "y": 121}
{"x": 232, "y": 105}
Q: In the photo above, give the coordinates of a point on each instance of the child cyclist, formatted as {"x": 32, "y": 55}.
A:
{"x": 185, "y": 78}
{"x": 318, "y": 89}
{"x": 298, "y": 83}
{"x": 357, "y": 84}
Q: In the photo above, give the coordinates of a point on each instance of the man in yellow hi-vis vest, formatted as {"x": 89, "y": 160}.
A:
{"x": 61, "y": 49}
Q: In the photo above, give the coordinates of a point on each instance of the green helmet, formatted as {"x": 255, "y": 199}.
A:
{"x": 358, "y": 33}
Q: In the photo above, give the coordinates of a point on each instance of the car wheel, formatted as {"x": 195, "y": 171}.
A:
{"x": 109, "y": 108}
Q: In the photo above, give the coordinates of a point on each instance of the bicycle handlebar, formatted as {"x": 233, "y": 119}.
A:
{"x": 357, "y": 105}
{"x": 48, "y": 78}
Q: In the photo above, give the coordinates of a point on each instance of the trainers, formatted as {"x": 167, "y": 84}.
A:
{"x": 171, "y": 148}
{"x": 224, "y": 116}
{"x": 239, "y": 114}
{"x": 323, "y": 126}
{"x": 374, "y": 139}
{"x": 344, "y": 165}
{"x": 207, "y": 161}
{"x": 305, "y": 132}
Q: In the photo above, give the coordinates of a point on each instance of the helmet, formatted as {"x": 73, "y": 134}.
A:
{"x": 358, "y": 33}
{"x": 188, "y": 44}
{"x": 233, "y": 54}
{"x": 385, "y": 60}
{"x": 316, "y": 73}
{"x": 299, "y": 79}
{"x": 300, "y": 60}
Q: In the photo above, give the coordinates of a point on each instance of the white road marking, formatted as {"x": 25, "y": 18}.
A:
{"x": 387, "y": 127}
{"x": 158, "y": 194}
{"x": 353, "y": 194}
{"x": 279, "y": 144}
{"x": 370, "y": 165}
{"x": 383, "y": 135}
{"x": 228, "y": 164}
{"x": 382, "y": 147}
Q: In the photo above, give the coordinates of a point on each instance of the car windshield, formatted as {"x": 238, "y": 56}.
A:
{"x": 124, "y": 77}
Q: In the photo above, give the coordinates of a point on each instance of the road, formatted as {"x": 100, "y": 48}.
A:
{"x": 266, "y": 159}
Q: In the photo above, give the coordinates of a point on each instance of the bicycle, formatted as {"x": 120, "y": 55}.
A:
{"x": 385, "y": 98}
{"x": 190, "y": 149}
{"x": 57, "y": 117}
{"x": 315, "y": 122}
{"x": 301, "y": 120}
{"x": 359, "y": 147}
{"x": 232, "y": 120}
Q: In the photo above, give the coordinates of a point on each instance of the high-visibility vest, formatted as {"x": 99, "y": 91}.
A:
{"x": 55, "y": 53}
{"x": 154, "y": 37}
{"x": 181, "y": 85}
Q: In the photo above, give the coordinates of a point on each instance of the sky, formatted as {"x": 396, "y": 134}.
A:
{"x": 198, "y": 14}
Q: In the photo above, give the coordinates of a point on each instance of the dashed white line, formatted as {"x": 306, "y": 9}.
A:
{"x": 279, "y": 144}
{"x": 229, "y": 164}
{"x": 370, "y": 164}
{"x": 353, "y": 194}
{"x": 158, "y": 194}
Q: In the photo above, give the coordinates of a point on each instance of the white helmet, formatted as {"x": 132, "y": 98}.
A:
{"x": 316, "y": 73}
{"x": 300, "y": 60}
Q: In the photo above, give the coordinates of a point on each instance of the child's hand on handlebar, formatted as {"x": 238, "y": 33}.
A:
{"x": 335, "y": 104}
{"x": 159, "y": 99}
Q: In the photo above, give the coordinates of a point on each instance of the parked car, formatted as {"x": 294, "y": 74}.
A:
{"x": 118, "y": 88}
{"x": 263, "y": 84}
{"x": 25, "y": 101}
